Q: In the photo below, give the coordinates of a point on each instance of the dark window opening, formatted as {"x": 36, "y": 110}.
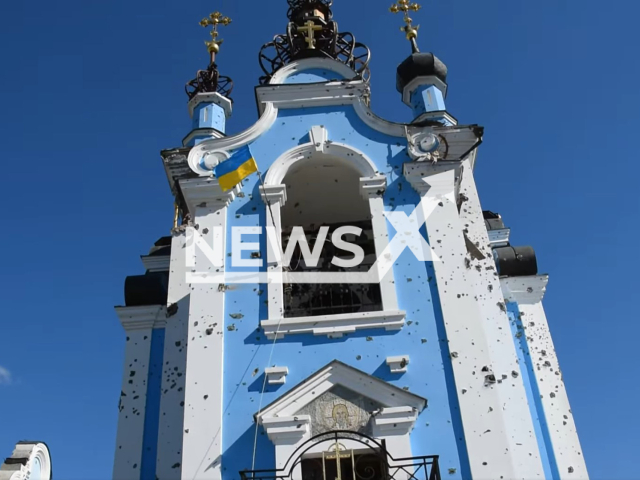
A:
{"x": 326, "y": 192}
{"x": 352, "y": 466}
{"x": 308, "y": 299}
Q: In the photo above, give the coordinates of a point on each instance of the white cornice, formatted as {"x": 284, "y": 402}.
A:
{"x": 334, "y": 326}
{"x": 212, "y": 133}
{"x": 527, "y": 290}
{"x": 206, "y": 192}
{"x": 282, "y": 430}
{"x": 425, "y": 177}
{"x": 211, "y": 97}
{"x": 373, "y": 186}
{"x": 435, "y": 116}
{"x": 276, "y": 375}
{"x": 143, "y": 317}
{"x": 394, "y": 421}
{"x": 274, "y": 194}
{"x": 310, "y": 94}
{"x": 156, "y": 263}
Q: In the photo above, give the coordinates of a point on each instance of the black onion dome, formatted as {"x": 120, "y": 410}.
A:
{"x": 420, "y": 65}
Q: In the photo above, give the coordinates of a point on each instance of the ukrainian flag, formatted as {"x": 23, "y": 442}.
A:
{"x": 233, "y": 170}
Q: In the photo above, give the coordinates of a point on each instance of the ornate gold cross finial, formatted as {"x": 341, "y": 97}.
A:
{"x": 409, "y": 29}
{"x": 215, "y": 19}
{"x": 308, "y": 30}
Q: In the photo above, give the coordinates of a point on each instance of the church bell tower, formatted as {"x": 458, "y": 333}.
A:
{"x": 349, "y": 310}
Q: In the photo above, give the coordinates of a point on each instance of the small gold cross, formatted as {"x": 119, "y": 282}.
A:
{"x": 404, "y": 6}
{"x": 215, "y": 19}
{"x": 308, "y": 30}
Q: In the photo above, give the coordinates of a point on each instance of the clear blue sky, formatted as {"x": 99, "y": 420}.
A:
{"x": 90, "y": 92}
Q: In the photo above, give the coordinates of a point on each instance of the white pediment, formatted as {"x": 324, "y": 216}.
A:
{"x": 339, "y": 397}
{"x": 339, "y": 374}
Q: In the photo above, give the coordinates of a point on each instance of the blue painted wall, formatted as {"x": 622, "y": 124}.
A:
{"x": 247, "y": 350}
{"x": 527, "y": 370}
{"x": 313, "y": 75}
{"x": 152, "y": 409}
{"x": 426, "y": 98}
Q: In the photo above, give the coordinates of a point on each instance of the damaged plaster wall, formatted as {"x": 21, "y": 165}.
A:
{"x": 503, "y": 372}
{"x": 247, "y": 350}
{"x": 171, "y": 416}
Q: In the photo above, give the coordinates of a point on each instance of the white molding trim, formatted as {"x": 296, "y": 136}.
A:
{"x": 394, "y": 421}
{"x": 156, "y": 263}
{"x": 349, "y": 155}
{"x": 211, "y": 97}
{"x": 276, "y": 375}
{"x": 269, "y": 112}
{"x": 274, "y": 194}
{"x": 372, "y": 184}
{"x": 398, "y": 364}
{"x": 334, "y": 326}
{"x": 143, "y": 317}
{"x": 437, "y": 115}
{"x": 319, "y": 136}
{"x": 526, "y": 290}
{"x": 311, "y": 63}
{"x": 310, "y": 94}
{"x": 338, "y": 373}
{"x": 206, "y": 193}
{"x": 201, "y": 132}
{"x": 287, "y": 429}
{"x": 499, "y": 238}
{"x": 427, "y": 80}
{"x": 35, "y": 453}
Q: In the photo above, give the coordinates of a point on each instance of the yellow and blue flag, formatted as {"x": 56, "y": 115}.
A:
{"x": 236, "y": 168}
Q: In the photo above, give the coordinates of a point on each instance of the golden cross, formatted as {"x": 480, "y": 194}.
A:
{"x": 409, "y": 29}
{"x": 215, "y": 19}
{"x": 307, "y": 30}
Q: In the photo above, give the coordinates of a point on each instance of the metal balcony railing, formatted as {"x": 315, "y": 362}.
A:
{"x": 346, "y": 455}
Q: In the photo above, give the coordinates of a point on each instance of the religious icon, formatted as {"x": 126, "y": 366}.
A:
{"x": 340, "y": 415}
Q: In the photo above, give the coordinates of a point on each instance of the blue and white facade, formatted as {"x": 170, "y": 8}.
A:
{"x": 453, "y": 359}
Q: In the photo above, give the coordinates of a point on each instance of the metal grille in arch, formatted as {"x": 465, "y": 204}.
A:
{"x": 346, "y": 455}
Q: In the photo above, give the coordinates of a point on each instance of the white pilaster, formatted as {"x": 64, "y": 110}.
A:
{"x": 481, "y": 409}
{"x": 202, "y": 435}
{"x": 287, "y": 434}
{"x": 275, "y": 197}
{"x": 481, "y": 273}
{"x": 171, "y": 421}
{"x": 528, "y": 292}
{"x": 372, "y": 189}
{"x": 138, "y": 323}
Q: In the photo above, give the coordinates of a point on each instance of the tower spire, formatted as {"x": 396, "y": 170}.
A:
{"x": 311, "y": 32}
{"x": 409, "y": 29}
{"x": 214, "y": 20}
{"x": 210, "y": 80}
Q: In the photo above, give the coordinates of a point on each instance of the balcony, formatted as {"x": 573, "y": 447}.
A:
{"x": 347, "y": 455}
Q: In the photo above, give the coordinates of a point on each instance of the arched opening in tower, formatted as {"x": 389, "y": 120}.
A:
{"x": 322, "y": 196}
